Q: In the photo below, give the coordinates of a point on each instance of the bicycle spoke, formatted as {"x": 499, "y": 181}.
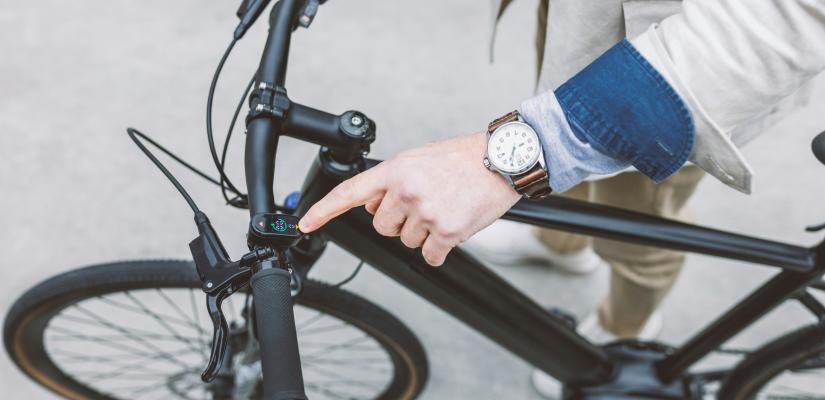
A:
{"x": 126, "y": 332}
{"x": 342, "y": 379}
{"x": 309, "y": 321}
{"x": 67, "y": 355}
{"x": 97, "y": 340}
{"x": 335, "y": 347}
{"x": 179, "y": 311}
{"x": 137, "y": 310}
{"x": 349, "y": 360}
{"x": 163, "y": 323}
{"x": 98, "y": 377}
{"x": 152, "y": 355}
{"x": 329, "y": 392}
{"x": 358, "y": 366}
{"x": 147, "y": 389}
{"x": 324, "y": 329}
{"x": 135, "y": 391}
{"x": 195, "y": 312}
{"x": 133, "y": 370}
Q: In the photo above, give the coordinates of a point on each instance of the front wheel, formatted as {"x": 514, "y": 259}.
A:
{"x": 139, "y": 330}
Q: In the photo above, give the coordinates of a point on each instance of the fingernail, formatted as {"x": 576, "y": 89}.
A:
{"x": 304, "y": 226}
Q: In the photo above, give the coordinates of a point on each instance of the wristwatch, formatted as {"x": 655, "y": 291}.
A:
{"x": 514, "y": 151}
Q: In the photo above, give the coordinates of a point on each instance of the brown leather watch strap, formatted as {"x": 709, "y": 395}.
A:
{"x": 533, "y": 184}
{"x": 509, "y": 117}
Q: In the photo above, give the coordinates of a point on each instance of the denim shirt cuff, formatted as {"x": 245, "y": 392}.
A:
{"x": 624, "y": 108}
{"x": 568, "y": 160}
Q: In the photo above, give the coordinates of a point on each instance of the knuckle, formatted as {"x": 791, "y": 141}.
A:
{"x": 427, "y": 214}
{"x": 407, "y": 193}
{"x": 384, "y": 227}
{"x": 449, "y": 233}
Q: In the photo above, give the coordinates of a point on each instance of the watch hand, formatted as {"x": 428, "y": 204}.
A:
{"x": 512, "y": 153}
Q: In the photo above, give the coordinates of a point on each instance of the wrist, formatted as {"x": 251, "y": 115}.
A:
{"x": 515, "y": 153}
{"x": 478, "y": 151}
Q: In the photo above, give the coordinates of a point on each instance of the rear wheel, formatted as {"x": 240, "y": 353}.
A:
{"x": 139, "y": 330}
{"x": 790, "y": 367}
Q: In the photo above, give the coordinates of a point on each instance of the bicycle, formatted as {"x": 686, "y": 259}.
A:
{"x": 99, "y": 317}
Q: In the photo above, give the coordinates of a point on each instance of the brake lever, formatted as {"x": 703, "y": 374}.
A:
{"x": 220, "y": 277}
{"x": 220, "y": 333}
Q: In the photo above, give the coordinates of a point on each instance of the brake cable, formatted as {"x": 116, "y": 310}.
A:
{"x": 241, "y": 198}
{"x": 350, "y": 277}
{"x": 134, "y": 134}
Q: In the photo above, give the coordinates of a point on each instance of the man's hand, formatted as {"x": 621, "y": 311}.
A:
{"x": 434, "y": 197}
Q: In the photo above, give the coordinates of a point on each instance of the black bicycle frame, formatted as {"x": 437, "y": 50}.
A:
{"x": 468, "y": 290}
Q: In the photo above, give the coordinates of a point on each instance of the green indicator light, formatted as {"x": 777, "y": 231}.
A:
{"x": 279, "y": 225}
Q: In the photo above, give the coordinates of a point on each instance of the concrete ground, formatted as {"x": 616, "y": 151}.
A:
{"x": 76, "y": 191}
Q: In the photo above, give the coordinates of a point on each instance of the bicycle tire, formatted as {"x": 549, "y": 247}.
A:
{"x": 25, "y": 324}
{"x": 785, "y": 353}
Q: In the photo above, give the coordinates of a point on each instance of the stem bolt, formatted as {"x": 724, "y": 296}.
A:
{"x": 356, "y": 120}
{"x": 209, "y": 284}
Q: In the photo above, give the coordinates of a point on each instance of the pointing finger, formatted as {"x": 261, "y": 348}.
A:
{"x": 356, "y": 191}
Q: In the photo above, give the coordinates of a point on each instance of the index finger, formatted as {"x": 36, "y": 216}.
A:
{"x": 353, "y": 192}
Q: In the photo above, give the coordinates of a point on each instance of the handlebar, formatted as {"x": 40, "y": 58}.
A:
{"x": 282, "y": 19}
{"x": 274, "y": 319}
{"x": 346, "y": 139}
{"x": 272, "y": 114}
{"x": 262, "y": 136}
{"x": 259, "y": 163}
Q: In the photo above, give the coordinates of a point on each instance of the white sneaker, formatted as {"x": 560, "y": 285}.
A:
{"x": 511, "y": 243}
{"x": 549, "y": 388}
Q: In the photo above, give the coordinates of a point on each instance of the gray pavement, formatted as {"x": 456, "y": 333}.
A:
{"x": 75, "y": 191}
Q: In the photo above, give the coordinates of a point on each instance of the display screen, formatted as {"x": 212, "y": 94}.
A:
{"x": 276, "y": 224}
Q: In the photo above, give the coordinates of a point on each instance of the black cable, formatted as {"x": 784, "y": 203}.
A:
{"x": 229, "y": 136}
{"x": 350, "y": 277}
{"x": 209, "y": 134}
{"x": 134, "y": 133}
{"x": 176, "y": 158}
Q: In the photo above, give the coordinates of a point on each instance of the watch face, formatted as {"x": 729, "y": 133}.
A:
{"x": 513, "y": 148}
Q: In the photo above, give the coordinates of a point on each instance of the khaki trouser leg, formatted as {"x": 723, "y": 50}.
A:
{"x": 562, "y": 242}
{"x": 640, "y": 276}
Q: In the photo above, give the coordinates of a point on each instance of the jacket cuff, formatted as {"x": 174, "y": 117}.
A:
{"x": 713, "y": 149}
{"x": 624, "y": 108}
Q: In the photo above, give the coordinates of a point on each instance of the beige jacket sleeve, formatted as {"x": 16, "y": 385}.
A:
{"x": 732, "y": 61}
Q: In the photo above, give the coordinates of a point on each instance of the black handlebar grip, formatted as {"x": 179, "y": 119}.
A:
{"x": 818, "y": 146}
{"x": 275, "y": 321}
